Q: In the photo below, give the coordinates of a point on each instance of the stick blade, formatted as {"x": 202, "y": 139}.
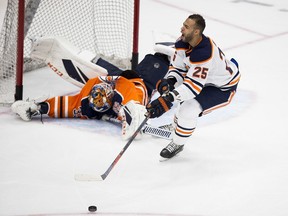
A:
{"x": 88, "y": 177}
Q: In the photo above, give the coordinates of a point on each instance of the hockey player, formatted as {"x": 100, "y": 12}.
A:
{"x": 200, "y": 77}
{"x": 100, "y": 96}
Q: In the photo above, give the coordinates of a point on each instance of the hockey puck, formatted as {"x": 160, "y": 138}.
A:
{"x": 92, "y": 208}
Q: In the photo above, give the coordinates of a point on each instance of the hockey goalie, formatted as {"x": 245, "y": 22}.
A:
{"x": 105, "y": 90}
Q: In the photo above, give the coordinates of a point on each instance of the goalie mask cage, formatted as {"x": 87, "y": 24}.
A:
{"x": 108, "y": 28}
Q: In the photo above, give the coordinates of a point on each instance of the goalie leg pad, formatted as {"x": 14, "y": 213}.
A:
{"x": 66, "y": 60}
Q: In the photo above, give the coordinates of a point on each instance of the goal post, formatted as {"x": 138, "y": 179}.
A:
{"x": 108, "y": 28}
{"x": 135, "y": 53}
{"x": 20, "y": 53}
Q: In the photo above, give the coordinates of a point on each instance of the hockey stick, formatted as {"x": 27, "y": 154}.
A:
{"x": 147, "y": 129}
{"x": 91, "y": 177}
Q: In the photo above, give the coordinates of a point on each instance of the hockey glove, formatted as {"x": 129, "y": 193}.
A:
{"x": 159, "y": 106}
{"x": 132, "y": 115}
{"x": 163, "y": 86}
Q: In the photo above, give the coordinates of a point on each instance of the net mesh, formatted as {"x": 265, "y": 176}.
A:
{"x": 104, "y": 27}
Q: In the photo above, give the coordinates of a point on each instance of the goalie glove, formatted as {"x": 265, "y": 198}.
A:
{"x": 25, "y": 109}
{"x": 132, "y": 116}
{"x": 30, "y": 108}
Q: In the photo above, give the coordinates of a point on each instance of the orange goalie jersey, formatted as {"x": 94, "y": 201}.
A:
{"x": 77, "y": 106}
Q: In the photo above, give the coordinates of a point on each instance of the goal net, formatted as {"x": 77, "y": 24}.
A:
{"x": 103, "y": 27}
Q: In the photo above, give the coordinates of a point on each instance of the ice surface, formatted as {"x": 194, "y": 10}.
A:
{"x": 235, "y": 164}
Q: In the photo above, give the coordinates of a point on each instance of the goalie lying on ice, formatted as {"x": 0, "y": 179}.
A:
{"x": 120, "y": 94}
{"x": 100, "y": 96}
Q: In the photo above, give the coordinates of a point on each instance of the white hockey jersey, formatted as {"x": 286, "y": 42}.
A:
{"x": 202, "y": 65}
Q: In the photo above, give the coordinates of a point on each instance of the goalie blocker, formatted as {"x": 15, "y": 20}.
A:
{"x": 132, "y": 115}
{"x": 164, "y": 131}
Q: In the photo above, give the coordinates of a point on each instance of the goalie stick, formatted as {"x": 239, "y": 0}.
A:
{"x": 91, "y": 177}
{"x": 158, "y": 132}
{"x": 147, "y": 129}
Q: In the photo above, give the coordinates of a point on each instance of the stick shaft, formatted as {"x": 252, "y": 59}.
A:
{"x": 104, "y": 175}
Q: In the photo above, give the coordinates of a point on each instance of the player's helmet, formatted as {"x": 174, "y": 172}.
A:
{"x": 100, "y": 98}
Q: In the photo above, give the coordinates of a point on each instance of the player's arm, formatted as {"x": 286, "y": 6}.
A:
{"x": 175, "y": 75}
{"x": 193, "y": 83}
{"x": 133, "y": 89}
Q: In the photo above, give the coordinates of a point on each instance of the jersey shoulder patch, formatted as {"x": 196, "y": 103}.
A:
{"x": 202, "y": 52}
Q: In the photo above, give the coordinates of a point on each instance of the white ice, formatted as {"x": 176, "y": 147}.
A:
{"x": 235, "y": 164}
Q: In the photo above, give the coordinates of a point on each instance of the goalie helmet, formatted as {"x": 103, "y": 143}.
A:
{"x": 100, "y": 98}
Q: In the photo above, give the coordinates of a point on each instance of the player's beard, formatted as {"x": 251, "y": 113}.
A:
{"x": 187, "y": 38}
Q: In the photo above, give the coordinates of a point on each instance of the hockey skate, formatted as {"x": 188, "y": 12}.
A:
{"x": 25, "y": 109}
{"x": 170, "y": 150}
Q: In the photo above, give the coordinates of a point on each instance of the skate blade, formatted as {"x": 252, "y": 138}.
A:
{"x": 161, "y": 159}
